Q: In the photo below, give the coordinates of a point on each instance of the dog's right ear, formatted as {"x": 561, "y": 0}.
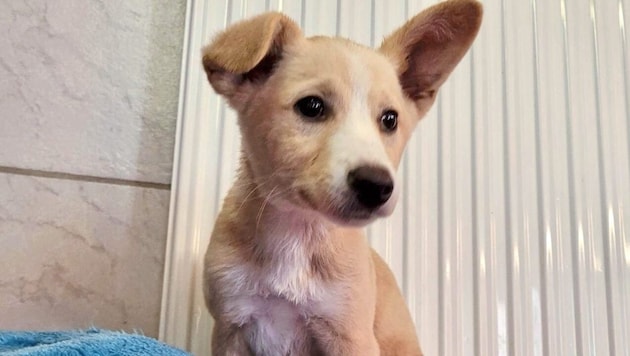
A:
{"x": 247, "y": 52}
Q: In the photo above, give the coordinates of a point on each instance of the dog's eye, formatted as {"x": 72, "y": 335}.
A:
{"x": 311, "y": 107}
{"x": 389, "y": 121}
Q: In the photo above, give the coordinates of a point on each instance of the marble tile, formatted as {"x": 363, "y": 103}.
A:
{"x": 90, "y": 87}
{"x": 76, "y": 254}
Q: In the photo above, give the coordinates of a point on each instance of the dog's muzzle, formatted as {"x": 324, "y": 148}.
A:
{"x": 372, "y": 186}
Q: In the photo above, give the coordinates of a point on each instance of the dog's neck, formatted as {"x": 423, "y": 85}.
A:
{"x": 291, "y": 244}
{"x": 272, "y": 227}
{"x": 279, "y": 232}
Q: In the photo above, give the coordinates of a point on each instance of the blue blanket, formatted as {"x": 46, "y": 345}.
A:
{"x": 75, "y": 343}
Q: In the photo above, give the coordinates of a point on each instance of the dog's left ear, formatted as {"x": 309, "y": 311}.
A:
{"x": 428, "y": 47}
{"x": 247, "y": 52}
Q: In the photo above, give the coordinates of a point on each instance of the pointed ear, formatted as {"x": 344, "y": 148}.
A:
{"x": 427, "y": 48}
{"x": 247, "y": 51}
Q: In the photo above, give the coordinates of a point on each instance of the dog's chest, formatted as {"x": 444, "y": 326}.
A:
{"x": 277, "y": 300}
{"x": 275, "y": 326}
{"x": 289, "y": 278}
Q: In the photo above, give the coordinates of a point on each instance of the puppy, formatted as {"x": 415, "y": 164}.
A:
{"x": 324, "y": 122}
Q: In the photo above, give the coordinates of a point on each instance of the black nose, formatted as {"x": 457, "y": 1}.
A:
{"x": 371, "y": 185}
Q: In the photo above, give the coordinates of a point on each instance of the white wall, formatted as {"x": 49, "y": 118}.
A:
{"x": 511, "y": 236}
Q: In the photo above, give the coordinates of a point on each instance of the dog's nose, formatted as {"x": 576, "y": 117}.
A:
{"x": 371, "y": 185}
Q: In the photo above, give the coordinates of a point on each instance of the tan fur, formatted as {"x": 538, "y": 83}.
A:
{"x": 286, "y": 272}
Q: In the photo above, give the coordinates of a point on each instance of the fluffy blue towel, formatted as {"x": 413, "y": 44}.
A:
{"x": 75, "y": 343}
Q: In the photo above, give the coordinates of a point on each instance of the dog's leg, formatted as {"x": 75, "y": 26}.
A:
{"x": 351, "y": 331}
{"x": 229, "y": 341}
{"x": 393, "y": 326}
{"x": 332, "y": 341}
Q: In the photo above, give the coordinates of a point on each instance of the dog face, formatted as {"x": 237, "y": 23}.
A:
{"x": 324, "y": 121}
{"x": 325, "y": 132}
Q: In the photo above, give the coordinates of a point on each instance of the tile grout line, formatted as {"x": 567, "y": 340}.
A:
{"x": 83, "y": 178}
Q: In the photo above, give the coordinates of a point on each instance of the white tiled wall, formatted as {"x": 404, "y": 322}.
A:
{"x": 512, "y": 237}
{"x": 76, "y": 254}
{"x": 88, "y": 102}
{"x": 90, "y": 87}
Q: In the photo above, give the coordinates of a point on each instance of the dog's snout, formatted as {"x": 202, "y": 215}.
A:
{"x": 372, "y": 186}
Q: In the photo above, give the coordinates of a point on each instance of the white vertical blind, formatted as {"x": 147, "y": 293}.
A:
{"x": 512, "y": 236}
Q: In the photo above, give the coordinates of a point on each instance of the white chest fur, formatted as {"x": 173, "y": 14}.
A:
{"x": 273, "y": 299}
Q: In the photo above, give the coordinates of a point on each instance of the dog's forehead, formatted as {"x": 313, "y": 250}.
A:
{"x": 338, "y": 54}
{"x": 346, "y": 60}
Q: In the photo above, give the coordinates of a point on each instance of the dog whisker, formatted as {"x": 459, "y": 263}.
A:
{"x": 262, "y": 208}
{"x": 257, "y": 187}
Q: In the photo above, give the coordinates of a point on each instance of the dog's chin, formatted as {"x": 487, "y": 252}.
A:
{"x": 352, "y": 214}
{"x": 357, "y": 216}
{"x": 344, "y": 212}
